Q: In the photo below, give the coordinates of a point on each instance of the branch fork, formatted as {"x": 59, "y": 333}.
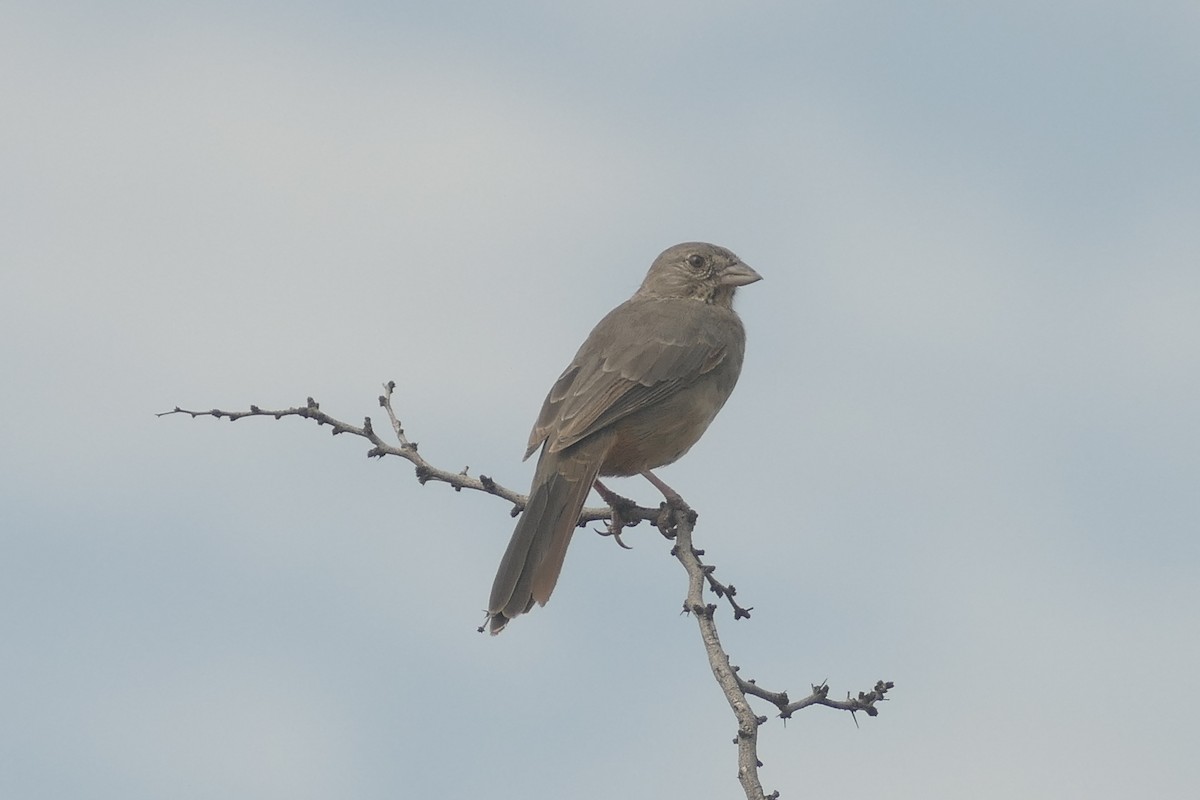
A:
{"x": 674, "y": 519}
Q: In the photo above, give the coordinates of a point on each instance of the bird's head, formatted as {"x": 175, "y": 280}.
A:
{"x": 698, "y": 271}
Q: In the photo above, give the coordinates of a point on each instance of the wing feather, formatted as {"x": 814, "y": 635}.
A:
{"x": 604, "y": 384}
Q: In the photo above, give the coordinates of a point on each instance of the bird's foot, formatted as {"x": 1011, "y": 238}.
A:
{"x": 669, "y": 517}
{"x": 675, "y": 504}
{"x": 618, "y": 520}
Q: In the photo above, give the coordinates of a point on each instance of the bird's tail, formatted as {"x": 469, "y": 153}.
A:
{"x": 534, "y": 558}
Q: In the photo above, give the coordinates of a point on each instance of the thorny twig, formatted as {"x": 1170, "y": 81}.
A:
{"x": 408, "y": 450}
{"x": 674, "y": 523}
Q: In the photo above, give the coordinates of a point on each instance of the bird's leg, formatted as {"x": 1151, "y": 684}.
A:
{"x": 672, "y": 496}
{"x": 608, "y": 495}
{"x": 675, "y": 503}
{"x": 616, "y": 502}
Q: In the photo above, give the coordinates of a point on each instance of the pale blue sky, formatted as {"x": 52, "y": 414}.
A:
{"x": 963, "y": 456}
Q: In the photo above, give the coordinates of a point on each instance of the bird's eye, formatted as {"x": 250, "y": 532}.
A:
{"x": 696, "y": 260}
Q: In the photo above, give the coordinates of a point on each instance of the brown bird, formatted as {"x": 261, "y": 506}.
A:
{"x": 639, "y": 393}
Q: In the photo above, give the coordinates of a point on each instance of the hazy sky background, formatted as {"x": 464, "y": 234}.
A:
{"x": 963, "y": 456}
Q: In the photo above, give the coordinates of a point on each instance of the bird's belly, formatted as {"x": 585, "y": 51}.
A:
{"x": 656, "y": 436}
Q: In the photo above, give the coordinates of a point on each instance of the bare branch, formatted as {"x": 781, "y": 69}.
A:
{"x": 408, "y": 450}
{"x": 865, "y": 701}
{"x": 718, "y": 659}
{"x": 675, "y": 522}
{"x": 679, "y": 523}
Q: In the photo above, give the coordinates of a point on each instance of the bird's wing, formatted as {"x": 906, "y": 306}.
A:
{"x": 630, "y": 361}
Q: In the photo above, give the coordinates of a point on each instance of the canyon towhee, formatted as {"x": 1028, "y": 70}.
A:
{"x": 639, "y": 393}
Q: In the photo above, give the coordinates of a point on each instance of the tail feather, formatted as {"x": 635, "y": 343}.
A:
{"x": 531, "y": 565}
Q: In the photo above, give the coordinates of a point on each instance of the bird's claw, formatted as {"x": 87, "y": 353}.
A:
{"x": 617, "y": 538}
{"x": 613, "y": 528}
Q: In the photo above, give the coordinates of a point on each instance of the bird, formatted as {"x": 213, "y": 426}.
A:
{"x": 640, "y": 391}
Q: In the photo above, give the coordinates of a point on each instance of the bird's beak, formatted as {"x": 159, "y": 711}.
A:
{"x": 739, "y": 275}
